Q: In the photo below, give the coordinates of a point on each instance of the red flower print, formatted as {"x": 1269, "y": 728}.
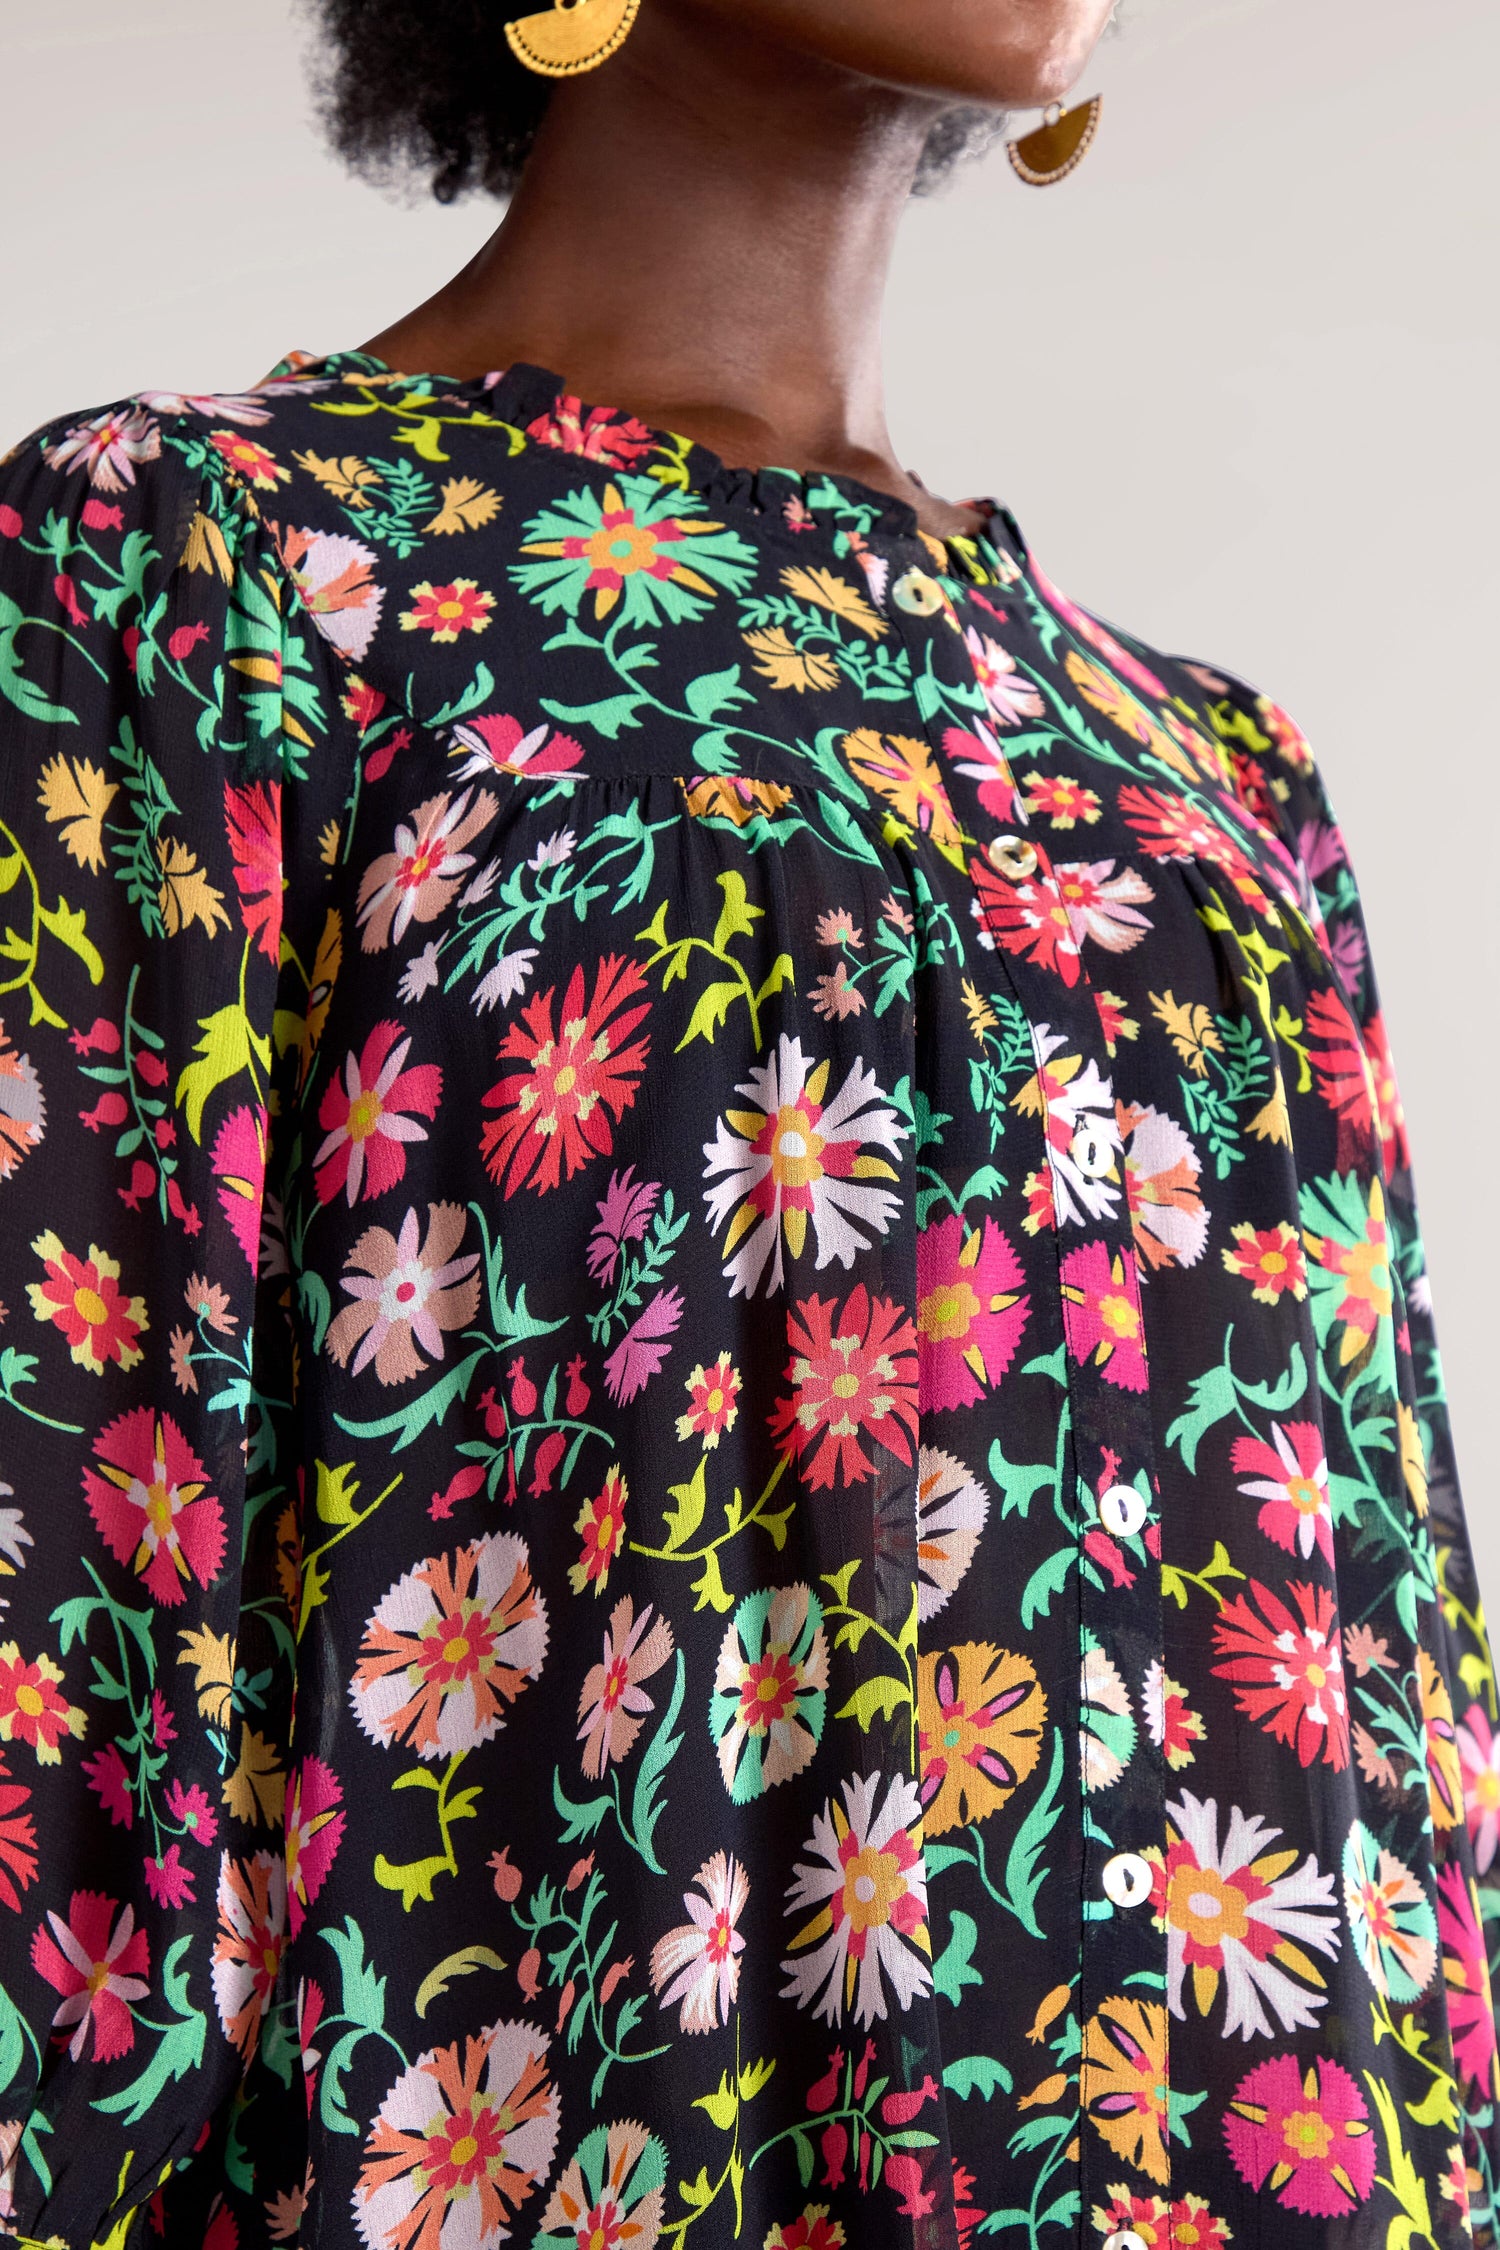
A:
{"x": 251, "y": 461}
{"x": 248, "y": 1948}
{"x": 1390, "y": 1115}
{"x": 83, "y": 1297}
{"x": 31, "y": 1709}
{"x": 1170, "y": 828}
{"x": 1270, "y": 1259}
{"x": 149, "y": 1496}
{"x": 1056, "y": 797}
{"x": 1291, "y": 1476}
{"x": 99, "y": 1961}
{"x": 1029, "y": 919}
{"x": 1305, "y": 2134}
{"x": 418, "y": 879}
{"x": 18, "y": 1853}
{"x": 601, "y": 1524}
{"x": 598, "y": 435}
{"x": 500, "y": 744}
{"x": 1289, "y": 1669}
{"x": 239, "y": 1162}
{"x": 573, "y": 1079}
{"x": 314, "y": 1827}
{"x": 253, "y": 816}
{"x": 813, "y": 2231}
{"x": 1466, "y": 1976}
{"x": 369, "y": 1115}
{"x": 981, "y": 756}
{"x": 854, "y": 1375}
{"x": 1343, "y": 1071}
{"x": 446, "y": 611}
{"x": 1102, "y": 1313}
{"x": 714, "y": 1392}
{"x": 971, "y": 1311}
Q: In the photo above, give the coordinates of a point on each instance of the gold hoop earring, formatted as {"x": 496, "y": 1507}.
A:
{"x": 1058, "y": 144}
{"x": 564, "y": 40}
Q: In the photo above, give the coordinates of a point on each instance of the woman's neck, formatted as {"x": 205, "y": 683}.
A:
{"x": 702, "y": 236}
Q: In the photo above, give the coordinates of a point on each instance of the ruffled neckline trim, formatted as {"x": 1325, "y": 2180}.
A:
{"x": 523, "y": 394}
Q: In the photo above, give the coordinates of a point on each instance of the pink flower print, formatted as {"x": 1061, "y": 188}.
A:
{"x": 99, "y": 1961}
{"x": 370, "y": 1114}
{"x": 643, "y": 1348}
{"x": 624, "y": 1208}
{"x": 314, "y": 1829}
{"x": 971, "y": 1311}
{"x": 1292, "y": 1479}
{"x": 148, "y": 1493}
{"x": 1306, "y": 2133}
{"x": 239, "y": 1161}
{"x": 500, "y": 744}
{"x": 1102, "y": 1313}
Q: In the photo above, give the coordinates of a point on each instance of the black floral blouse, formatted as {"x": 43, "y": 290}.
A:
{"x": 727, "y": 1511}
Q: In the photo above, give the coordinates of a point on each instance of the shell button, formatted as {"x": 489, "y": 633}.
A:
{"x": 1092, "y": 1151}
{"x": 1013, "y": 856}
{"x": 1127, "y": 1879}
{"x": 1125, "y": 2238}
{"x": 917, "y": 593}
{"x": 1122, "y": 1511}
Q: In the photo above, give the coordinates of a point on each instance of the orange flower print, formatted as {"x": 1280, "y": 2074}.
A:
{"x": 464, "y": 2136}
{"x": 449, "y": 1647}
{"x": 1123, "y": 2081}
{"x": 247, "y": 1951}
{"x": 419, "y": 879}
{"x": 980, "y": 1717}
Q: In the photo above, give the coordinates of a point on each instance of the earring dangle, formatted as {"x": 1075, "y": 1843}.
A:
{"x": 563, "y": 40}
{"x": 1057, "y": 145}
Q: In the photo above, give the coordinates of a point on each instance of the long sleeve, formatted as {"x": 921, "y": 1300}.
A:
{"x": 148, "y": 700}
{"x": 1349, "y": 1054}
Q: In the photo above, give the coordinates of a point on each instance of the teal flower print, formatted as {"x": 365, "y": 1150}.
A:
{"x": 770, "y": 1690}
{"x": 1391, "y": 1919}
{"x": 629, "y": 546}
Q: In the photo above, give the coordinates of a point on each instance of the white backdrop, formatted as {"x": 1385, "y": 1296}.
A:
{"x": 1236, "y": 377}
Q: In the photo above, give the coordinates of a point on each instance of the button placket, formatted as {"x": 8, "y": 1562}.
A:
{"x": 1121, "y": 1997}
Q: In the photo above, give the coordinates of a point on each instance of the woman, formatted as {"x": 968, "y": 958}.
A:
{"x": 731, "y": 1518}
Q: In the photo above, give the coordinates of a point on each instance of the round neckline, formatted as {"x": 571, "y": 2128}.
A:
{"x": 524, "y": 393}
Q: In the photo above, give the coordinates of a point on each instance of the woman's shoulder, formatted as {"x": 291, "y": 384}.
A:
{"x": 1268, "y": 757}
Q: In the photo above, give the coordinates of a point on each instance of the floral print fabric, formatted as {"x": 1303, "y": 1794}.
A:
{"x": 727, "y": 1510}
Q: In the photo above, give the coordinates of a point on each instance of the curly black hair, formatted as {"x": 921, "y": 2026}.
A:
{"x": 429, "y": 88}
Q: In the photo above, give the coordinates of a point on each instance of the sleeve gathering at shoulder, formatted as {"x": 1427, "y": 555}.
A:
{"x": 156, "y": 697}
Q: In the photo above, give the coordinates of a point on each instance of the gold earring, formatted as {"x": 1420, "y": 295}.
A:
{"x": 1057, "y": 145}
{"x": 563, "y": 40}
